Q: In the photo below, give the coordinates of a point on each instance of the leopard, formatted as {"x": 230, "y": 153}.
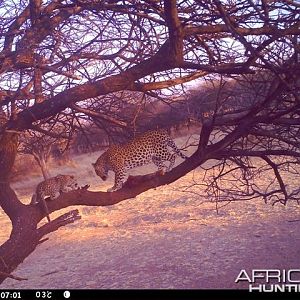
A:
{"x": 53, "y": 187}
{"x": 151, "y": 146}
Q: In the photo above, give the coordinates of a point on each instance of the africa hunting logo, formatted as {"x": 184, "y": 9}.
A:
{"x": 271, "y": 280}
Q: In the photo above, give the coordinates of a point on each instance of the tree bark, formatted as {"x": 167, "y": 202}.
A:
{"x": 8, "y": 152}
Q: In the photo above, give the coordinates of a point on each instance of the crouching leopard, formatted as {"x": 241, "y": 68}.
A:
{"x": 53, "y": 187}
{"x": 151, "y": 146}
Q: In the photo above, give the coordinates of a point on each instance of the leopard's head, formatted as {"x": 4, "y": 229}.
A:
{"x": 100, "y": 168}
{"x": 72, "y": 183}
{"x": 69, "y": 182}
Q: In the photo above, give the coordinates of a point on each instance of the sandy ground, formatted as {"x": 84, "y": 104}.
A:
{"x": 164, "y": 238}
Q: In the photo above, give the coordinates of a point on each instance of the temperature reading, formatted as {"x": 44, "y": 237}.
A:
{"x": 43, "y": 295}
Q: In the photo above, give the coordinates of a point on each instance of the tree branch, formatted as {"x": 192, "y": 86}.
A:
{"x": 99, "y": 115}
{"x": 3, "y": 274}
{"x": 278, "y": 177}
{"x": 63, "y": 220}
{"x": 223, "y": 28}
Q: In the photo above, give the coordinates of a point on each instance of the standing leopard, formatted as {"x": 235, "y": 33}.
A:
{"x": 53, "y": 187}
{"x": 151, "y": 146}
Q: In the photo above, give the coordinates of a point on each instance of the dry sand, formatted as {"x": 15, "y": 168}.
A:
{"x": 164, "y": 238}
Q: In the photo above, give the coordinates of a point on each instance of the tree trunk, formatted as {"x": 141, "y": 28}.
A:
{"x": 25, "y": 236}
{"x": 44, "y": 168}
{"x": 22, "y": 240}
{"x": 8, "y": 152}
{"x": 42, "y": 162}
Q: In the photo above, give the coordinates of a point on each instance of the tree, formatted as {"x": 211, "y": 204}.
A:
{"x": 43, "y": 146}
{"x": 268, "y": 148}
{"x": 56, "y": 55}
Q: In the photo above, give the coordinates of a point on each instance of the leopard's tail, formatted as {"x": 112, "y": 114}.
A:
{"x": 46, "y": 210}
{"x": 34, "y": 199}
{"x": 171, "y": 144}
